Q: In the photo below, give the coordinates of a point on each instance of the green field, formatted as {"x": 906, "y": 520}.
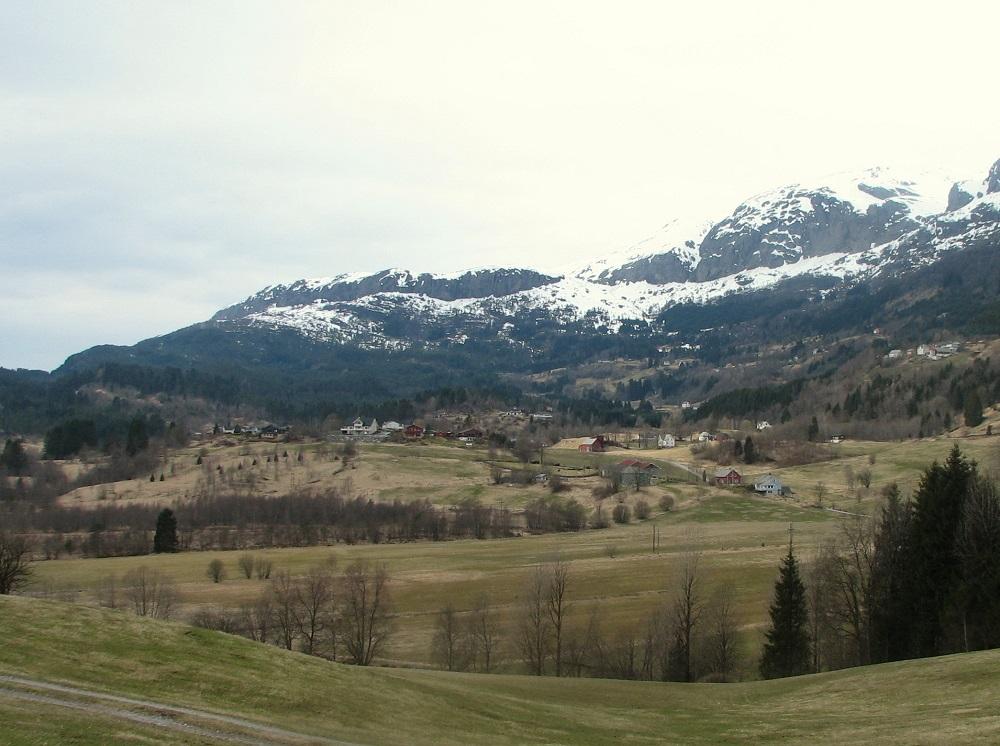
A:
{"x": 942, "y": 700}
{"x": 741, "y": 539}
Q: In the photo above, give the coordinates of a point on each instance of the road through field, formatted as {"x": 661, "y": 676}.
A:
{"x": 183, "y": 720}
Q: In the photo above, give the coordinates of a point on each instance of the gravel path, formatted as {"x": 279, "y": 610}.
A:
{"x": 183, "y": 720}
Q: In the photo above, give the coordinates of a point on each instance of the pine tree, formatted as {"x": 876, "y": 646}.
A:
{"x": 749, "y": 451}
{"x": 165, "y": 539}
{"x": 972, "y": 408}
{"x": 786, "y": 652}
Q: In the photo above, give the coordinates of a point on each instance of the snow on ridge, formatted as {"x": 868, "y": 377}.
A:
{"x": 572, "y": 299}
{"x": 673, "y": 238}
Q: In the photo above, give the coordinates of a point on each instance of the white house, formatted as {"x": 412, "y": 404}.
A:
{"x": 768, "y": 485}
{"x": 392, "y": 426}
{"x": 685, "y": 405}
{"x": 895, "y": 354}
{"x": 372, "y": 428}
{"x": 764, "y": 425}
{"x": 666, "y": 441}
{"x": 355, "y": 428}
{"x": 704, "y": 437}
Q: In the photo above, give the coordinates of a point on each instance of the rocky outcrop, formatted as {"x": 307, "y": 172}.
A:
{"x": 993, "y": 180}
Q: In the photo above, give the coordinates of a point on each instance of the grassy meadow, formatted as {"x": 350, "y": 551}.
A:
{"x": 931, "y": 701}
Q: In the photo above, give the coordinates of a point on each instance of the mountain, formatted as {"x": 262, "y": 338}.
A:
{"x": 845, "y": 229}
{"x": 836, "y": 256}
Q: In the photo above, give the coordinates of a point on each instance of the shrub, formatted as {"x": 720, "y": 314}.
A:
{"x": 216, "y": 571}
{"x": 621, "y": 513}
{"x": 666, "y": 503}
{"x": 641, "y": 510}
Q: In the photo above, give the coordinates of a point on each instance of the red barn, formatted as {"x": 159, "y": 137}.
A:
{"x": 727, "y": 475}
{"x": 592, "y": 445}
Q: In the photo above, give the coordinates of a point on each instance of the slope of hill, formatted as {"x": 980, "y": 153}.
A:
{"x": 95, "y": 652}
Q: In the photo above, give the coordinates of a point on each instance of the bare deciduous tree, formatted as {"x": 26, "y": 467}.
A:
{"x": 256, "y": 619}
{"x": 534, "y": 630}
{"x": 246, "y": 564}
{"x": 723, "y": 634}
{"x": 366, "y": 611}
{"x": 283, "y": 600}
{"x": 216, "y": 571}
{"x": 448, "y": 642}
{"x": 14, "y": 563}
{"x": 149, "y": 592}
{"x": 484, "y": 634}
{"x": 315, "y": 613}
{"x": 686, "y": 613}
{"x": 557, "y": 605}
{"x": 263, "y": 567}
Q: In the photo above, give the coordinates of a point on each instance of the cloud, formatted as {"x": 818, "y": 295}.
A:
{"x": 162, "y": 160}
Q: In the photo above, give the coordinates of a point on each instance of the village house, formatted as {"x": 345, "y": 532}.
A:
{"x": 764, "y": 425}
{"x": 471, "y": 434}
{"x": 392, "y": 426}
{"x": 355, "y": 428}
{"x": 685, "y": 405}
{"x": 541, "y": 417}
{"x": 769, "y": 485}
{"x": 704, "y": 437}
{"x": 592, "y": 445}
{"x": 895, "y": 354}
{"x": 413, "y": 431}
{"x": 666, "y": 441}
{"x": 635, "y": 474}
{"x": 727, "y": 476}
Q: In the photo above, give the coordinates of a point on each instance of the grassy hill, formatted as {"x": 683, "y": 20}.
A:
{"x": 954, "y": 698}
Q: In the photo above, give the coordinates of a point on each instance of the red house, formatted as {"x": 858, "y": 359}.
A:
{"x": 414, "y": 431}
{"x": 592, "y": 445}
{"x": 727, "y": 475}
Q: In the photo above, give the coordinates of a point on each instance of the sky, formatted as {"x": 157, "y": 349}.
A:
{"x": 160, "y": 161}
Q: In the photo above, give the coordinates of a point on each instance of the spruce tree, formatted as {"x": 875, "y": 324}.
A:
{"x": 813, "y": 433}
{"x": 138, "y": 438}
{"x": 749, "y": 451}
{"x": 786, "y": 652}
{"x": 165, "y": 538}
{"x": 14, "y": 459}
{"x": 972, "y": 408}
{"x": 937, "y": 515}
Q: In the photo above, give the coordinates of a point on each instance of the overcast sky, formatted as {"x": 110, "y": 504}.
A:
{"x": 159, "y": 161}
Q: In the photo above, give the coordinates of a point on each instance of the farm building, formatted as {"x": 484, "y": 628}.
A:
{"x": 637, "y": 474}
{"x": 769, "y": 485}
{"x": 391, "y": 426}
{"x": 473, "y": 433}
{"x": 592, "y": 445}
{"x": 727, "y": 475}
{"x": 666, "y": 441}
{"x": 414, "y": 431}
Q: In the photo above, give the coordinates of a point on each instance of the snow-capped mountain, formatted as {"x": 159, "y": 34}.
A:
{"x": 844, "y": 229}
